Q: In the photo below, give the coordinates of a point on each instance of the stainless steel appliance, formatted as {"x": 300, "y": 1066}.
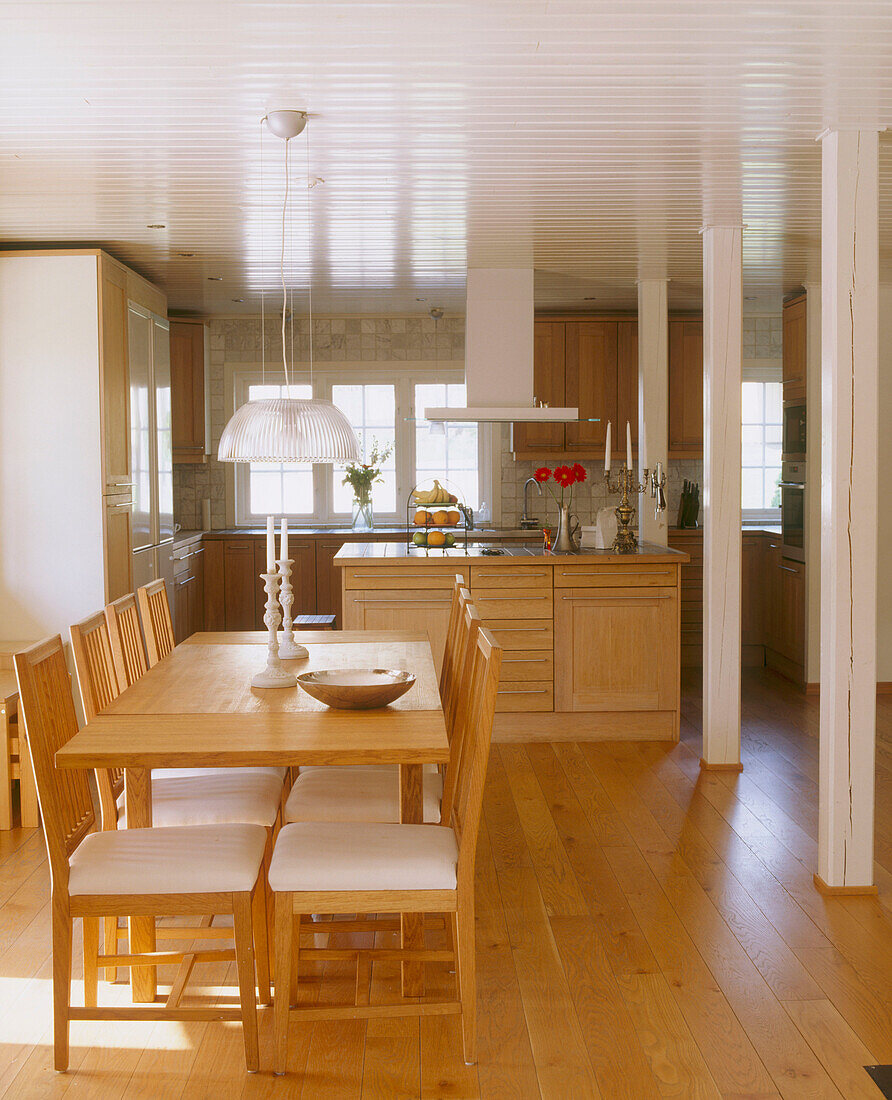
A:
{"x": 151, "y": 448}
{"x": 793, "y": 445}
{"x": 792, "y": 487}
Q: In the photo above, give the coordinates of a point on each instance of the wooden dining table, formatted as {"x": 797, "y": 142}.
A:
{"x": 196, "y": 709}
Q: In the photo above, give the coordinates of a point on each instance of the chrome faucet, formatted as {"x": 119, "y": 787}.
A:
{"x": 528, "y": 522}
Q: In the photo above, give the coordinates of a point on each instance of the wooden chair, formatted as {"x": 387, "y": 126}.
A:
{"x": 452, "y": 629}
{"x": 137, "y": 872}
{"x": 371, "y": 868}
{"x": 127, "y": 648}
{"x": 157, "y": 627}
{"x": 373, "y": 793}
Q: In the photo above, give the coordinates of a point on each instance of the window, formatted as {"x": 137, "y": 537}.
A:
{"x": 452, "y": 453}
{"x": 761, "y": 450}
{"x": 381, "y": 408}
{"x": 371, "y": 409}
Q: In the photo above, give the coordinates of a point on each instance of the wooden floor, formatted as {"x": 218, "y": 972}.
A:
{"x": 644, "y": 931}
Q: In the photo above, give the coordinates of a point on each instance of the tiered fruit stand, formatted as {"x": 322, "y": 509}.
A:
{"x": 435, "y": 518}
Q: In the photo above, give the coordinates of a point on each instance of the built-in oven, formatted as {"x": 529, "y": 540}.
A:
{"x": 792, "y": 487}
{"x": 793, "y": 444}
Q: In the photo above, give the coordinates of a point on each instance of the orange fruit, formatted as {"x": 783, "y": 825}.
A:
{"x": 436, "y": 538}
{"x": 420, "y": 518}
{"x": 441, "y": 517}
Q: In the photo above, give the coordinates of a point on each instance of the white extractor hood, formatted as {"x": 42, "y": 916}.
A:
{"x": 499, "y": 352}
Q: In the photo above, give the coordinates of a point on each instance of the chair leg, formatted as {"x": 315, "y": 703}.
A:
{"x": 463, "y": 934}
{"x": 91, "y": 961}
{"x": 295, "y": 953}
{"x": 111, "y": 945}
{"x": 61, "y": 982}
{"x": 261, "y": 939}
{"x": 244, "y": 958}
{"x": 286, "y": 975}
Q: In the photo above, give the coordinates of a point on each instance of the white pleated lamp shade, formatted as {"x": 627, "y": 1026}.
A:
{"x": 288, "y": 430}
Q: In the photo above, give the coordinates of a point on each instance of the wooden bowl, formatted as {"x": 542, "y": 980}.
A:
{"x": 356, "y": 688}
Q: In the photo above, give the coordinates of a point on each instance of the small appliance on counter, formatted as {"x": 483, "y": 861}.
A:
{"x": 689, "y": 504}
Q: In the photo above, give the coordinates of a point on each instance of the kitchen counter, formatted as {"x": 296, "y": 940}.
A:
{"x": 394, "y": 553}
{"x": 476, "y": 533}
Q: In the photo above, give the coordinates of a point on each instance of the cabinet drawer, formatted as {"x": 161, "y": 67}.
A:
{"x": 534, "y": 603}
{"x": 514, "y": 634}
{"x": 534, "y": 695}
{"x": 507, "y": 576}
{"x": 527, "y": 665}
{"x": 421, "y": 578}
{"x": 612, "y": 576}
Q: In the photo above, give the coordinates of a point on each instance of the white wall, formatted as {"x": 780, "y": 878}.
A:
{"x": 50, "y": 470}
{"x": 884, "y": 502}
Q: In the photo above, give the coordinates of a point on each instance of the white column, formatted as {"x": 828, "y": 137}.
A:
{"x": 722, "y": 367}
{"x": 849, "y": 346}
{"x": 653, "y": 396}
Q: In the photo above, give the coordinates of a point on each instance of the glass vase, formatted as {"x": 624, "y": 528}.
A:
{"x": 363, "y": 516}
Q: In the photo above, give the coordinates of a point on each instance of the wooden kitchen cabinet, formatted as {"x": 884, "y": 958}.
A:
{"x": 785, "y": 641}
{"x": 686, "y": 388}
{"x": 378, "y": 609}
{"x": 591, "y": 382}
{"x": 213, "y": 585}
{"x": 616, "y": 649}
{"x": 188, "y": 364}
{"x": 752, "y": 607}
{"x": 794, "y": 349}
{"x": 188, "y": 591}
{"x": 302, "y": 551}
{"x": 239, "y": 584}
{"x": 626, "y": 383}
{"x": 549, "y": 386}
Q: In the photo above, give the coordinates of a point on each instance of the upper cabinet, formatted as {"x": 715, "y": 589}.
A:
{"x": 686, "y": 388}
{"x": 591, "y": 382}
{"x": 794, "y": 349}
{"x": 188, "y": 361}
{"x": 549, "y": 380}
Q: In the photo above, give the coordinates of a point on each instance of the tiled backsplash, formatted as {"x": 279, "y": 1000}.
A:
{"x": 396, "y": 339}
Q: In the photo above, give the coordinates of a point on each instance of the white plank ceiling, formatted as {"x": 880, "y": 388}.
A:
{"x": 589, "y": 139}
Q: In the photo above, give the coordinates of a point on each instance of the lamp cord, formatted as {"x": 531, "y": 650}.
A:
{"x": 262, "y": 270}
{"x": 309, "y": 260}
{"x": 282, "y": 274}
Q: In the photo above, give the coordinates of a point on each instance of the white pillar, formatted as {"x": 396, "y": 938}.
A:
{"x": 653, "y": 397}
{"x": 849, "y": 346}
{"x": 722, "y": 370}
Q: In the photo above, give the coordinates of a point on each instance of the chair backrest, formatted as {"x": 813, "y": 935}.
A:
{"x": 154, "y": 610}
{"x": 126, "y": 640}
{"x": 468, "y": 802}
{"x": 66, "y": 805}
{"x": 446, "y": 668}
{"x": 98, "y": 684}
{"x": 458, "y": 707}
{"x": 453, "y": 688}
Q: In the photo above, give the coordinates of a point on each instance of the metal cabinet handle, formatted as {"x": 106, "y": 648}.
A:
{"x": 523, "y": 691}
{"x": 519, "y": 573}
{"x": 185, "y": 580}
{"x": 400, "y": 599}
{"x": 789, "y": 569}
{"x": 524, "y": 660}
{"x": 129, "y": 504}
{"x": 619, "y": 573}
{"x": 520, "y": 629}
{"x": 630, "y": 596}
{"x": 515, "y": 597}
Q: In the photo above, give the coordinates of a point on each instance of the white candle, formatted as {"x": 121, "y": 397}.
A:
{"x": 628, "y": 446}
{"x": 642, "y": 446}
{"x": 607, "y": 451}
{"x": 270, "y": 545}
{"x": 283, "y": 541}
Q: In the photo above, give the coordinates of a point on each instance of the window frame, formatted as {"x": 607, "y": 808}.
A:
{"x": 760, "y": 370}
{"x": 404, "y": 378}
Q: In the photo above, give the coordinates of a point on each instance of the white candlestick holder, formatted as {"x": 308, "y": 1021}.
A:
{"x": 273, "y": 676}
{"x": 288, "y": 647}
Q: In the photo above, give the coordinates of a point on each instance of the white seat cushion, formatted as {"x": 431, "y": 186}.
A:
{"x": 184, "y": 773}
{"x": 196, "y": 859}
{"x": 322, "y": 855}
{"x": 227, "y": 795}
{"x": 353, "y": 794}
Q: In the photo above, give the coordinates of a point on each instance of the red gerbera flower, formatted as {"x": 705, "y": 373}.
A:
{"x": 579, "y": 471}
{"x": 542, "y": 474}
{"x": 564, "y": 476}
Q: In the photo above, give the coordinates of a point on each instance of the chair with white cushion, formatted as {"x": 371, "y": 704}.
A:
{"x": 350, "y": 867}
{"x": 373, "y": 794}
{"x": 157, "y": 626}
{"x": 138, "y": 872}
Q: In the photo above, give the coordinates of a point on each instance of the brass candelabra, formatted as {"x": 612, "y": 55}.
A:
{"x": 626, "y": 541}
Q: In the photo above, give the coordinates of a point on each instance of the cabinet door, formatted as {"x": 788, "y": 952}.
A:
{"x": 115, "y": 380}
{"x": 374, "y": 609}
{"x": 328, "y": 580}
{"x": 184, "y": 588}
{"x": 794, "y": 349}
{"x": 771, "y": 589}
{"x": 239, "y": 584}
{"x": 791, "y": 635}
{"x": 213, "y": 588}
{"x": 548, "y": 386}
{"x": 686, "y": 387}
{"x": 616, "y": 650}
{"x": 187, "y": 342}
{"x": 303, "y": 575}
{"x": 752, "y": 579}
{"x": 118, "y": 553}
{"x": 196, "y": 609}
{"x": 591, "y": 382}
{"x": 626, "y": 385}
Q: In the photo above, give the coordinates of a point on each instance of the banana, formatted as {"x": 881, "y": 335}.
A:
{"x": 437, "y": 495}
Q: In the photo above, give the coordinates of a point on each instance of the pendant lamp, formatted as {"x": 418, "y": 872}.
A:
{"x": 288, "y": 429}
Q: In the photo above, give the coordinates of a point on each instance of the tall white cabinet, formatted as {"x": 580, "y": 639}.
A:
{"x": 66, "y": 485}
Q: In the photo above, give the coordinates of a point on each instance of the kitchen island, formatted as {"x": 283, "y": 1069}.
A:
{"x": 592, "y": 639}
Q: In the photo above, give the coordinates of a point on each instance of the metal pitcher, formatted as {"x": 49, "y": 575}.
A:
{"x": 565, "y": 541}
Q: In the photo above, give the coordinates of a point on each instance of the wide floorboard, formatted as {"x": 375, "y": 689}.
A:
{"x": 643, "y": 931}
